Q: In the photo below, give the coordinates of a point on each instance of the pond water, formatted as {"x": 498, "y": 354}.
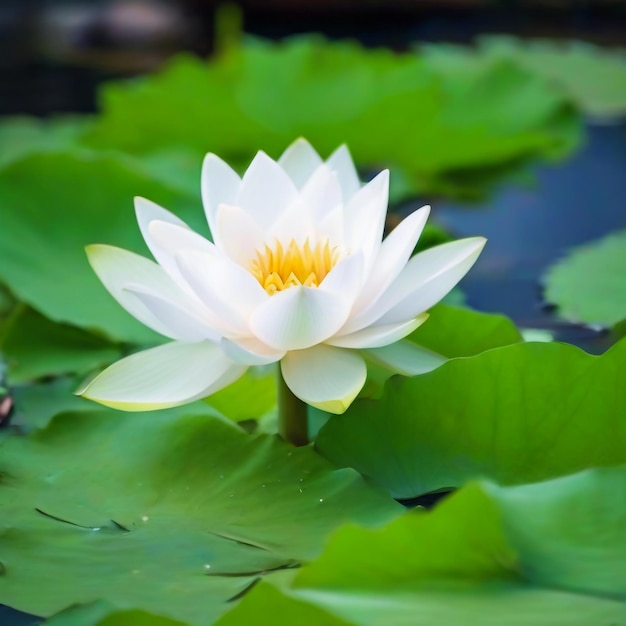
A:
{"x": 572, "y": 202}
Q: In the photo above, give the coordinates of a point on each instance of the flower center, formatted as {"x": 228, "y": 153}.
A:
{"x": 281, "y": 267}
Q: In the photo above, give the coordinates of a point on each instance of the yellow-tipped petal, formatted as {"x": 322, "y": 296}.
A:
{"x": 325, "y": 377}
{"x": 162, "y": 377}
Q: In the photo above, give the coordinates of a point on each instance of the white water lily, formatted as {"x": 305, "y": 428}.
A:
{"x": 297, "y": 273}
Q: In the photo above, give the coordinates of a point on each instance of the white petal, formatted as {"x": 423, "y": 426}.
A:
{"x": 322, "y": 193}
{"x": 146, "y": 212}
{"x": 266, "y": 190}
{"x": 295, "y": 223}
{"x": 228, "y": 290}
{"x": 162, "y": 377}
{"x": 325, "y": 377}
{"x": 393, "y": 255}
{"x": 300, "y": 160}
{"x": 341, "y": 161}
{"x": 406, "y": 358}
{"x": 183, "y": 323}
{"x": 331, "y": 227}
{"x": 365, "y": 218}
{"x": 428, "y": 277}
{"x": 299, "y": 317}
{"x": 117, "y": 268}
{"x": 250, "y": 351}
{"x": 220, "y": 184}
{"x": 238, "y": 234}
{"x": 377, "y": 336}
{"x": 168, "y": 239}
{"x": 171, "y": 239}
{"x": 346, "y": 278}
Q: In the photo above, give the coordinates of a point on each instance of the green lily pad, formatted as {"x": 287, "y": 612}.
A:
{"x": 35, "y": 347}
{"x": 336, "y": 93}
{"x": 55, "y": 205}
{"x": 167, "y": 514}
{"x": 593, "y": 76}
{"x": 457, "y": 331}
{"x": 103, "y": 614}
{"x": 533, "y": 555}
{"x": 589, "y": 285}
{"x": 20, "y": 136}
{"x": 515, "y": 414}
{"x": 251, "y": 397}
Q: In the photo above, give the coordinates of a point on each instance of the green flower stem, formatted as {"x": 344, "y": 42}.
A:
{"x": 292, "y": 415}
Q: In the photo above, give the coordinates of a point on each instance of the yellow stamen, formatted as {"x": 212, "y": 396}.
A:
{"x": 279, "y": 268}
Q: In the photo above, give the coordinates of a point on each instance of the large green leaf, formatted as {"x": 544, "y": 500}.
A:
{"x": 440, "y": 130}
{"x": 516, "y": 414}
{"x": 35, "y": 347}
{"x": 543, "y": 554}
{"x": 456, "y": 331}
{"x": 450, "y": 332}
{"x": 168, "y": 514}
{"x": 53, "y": 206}
{"x": 589, "y": 285}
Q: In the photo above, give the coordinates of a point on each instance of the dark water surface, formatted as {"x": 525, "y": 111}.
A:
{"x": 529, "y": 229}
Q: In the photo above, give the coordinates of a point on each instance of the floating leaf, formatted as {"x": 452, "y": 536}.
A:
{"x": 589, "y": 285}
{"x": 167, "y": 514}
{"x": 515, "y": 414}
{"x": 489, "y": 555}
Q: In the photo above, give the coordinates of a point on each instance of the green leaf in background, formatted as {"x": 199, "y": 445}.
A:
{"x": 391, "y": 109}
{"x": 34, "y": 347}
{"x": 168, "y": 514}
{"x": 535, "y": 555}
{"x": 456, "y": 331}
{"x": 593, "y": 77}
{"x": 251, "y": 397}
{"x": 515, "y": 414}
{"x": 54, "y": 205}
{"x": 20, "y": 136}
{"x": 589, "y": 285}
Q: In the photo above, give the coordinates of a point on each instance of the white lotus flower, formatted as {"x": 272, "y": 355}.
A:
{"x": 297, "y": 273}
